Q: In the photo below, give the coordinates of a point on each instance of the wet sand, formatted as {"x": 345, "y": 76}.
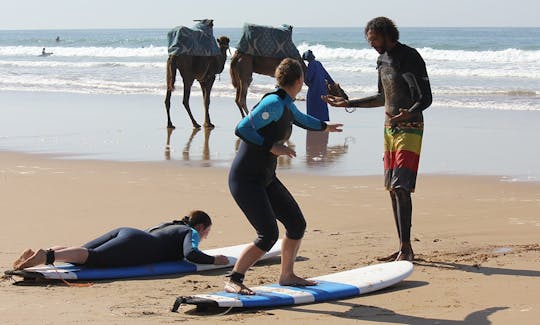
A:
{"x": 132, "y": 128}
{"x": 476, "y": 239}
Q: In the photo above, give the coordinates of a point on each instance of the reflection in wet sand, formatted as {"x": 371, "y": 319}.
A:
{"x": 283, "y": 161}
{"x": 168, "y": 144}
{"x": 318, "y": 153}
{"x": 206, "y": 154}
{"x": 187, "y": 146}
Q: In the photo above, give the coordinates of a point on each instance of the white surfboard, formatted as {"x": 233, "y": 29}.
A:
{"x": 330, "y": 287}
{"x": 76, "y": 272}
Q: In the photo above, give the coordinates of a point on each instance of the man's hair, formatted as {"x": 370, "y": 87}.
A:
{"x": 288, "y": 72}
{"x": 383, "y": 26}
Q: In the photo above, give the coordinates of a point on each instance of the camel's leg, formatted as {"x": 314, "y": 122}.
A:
{"x": 188, "y": 82}
{"x": 168, "y": 109}
{"x": 244, "y": 86}
{"x": 238, "y": 97}
{"x": 206, "y": 87}
{"x": 171, "y": 79}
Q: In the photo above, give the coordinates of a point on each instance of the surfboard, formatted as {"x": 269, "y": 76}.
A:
{"x": 76, "y": 272}
{"x": 330, "y": 287}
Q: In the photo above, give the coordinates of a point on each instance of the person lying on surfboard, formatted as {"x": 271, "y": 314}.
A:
{"x": 129, "y": 246}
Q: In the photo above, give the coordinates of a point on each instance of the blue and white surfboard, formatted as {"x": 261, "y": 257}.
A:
{"x": 73, "y": 272}
{"x": 330, "y": 287}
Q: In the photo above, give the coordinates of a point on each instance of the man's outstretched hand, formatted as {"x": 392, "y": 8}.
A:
{"x": 335, "y": 101}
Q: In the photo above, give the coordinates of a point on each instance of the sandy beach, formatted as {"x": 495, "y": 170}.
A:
{"x": 476, "y": 240}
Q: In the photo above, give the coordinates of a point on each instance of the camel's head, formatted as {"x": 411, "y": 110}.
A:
{"x": 223, "y": 42}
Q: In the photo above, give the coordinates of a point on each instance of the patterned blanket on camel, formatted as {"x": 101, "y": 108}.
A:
{"x": 267, "y": 41}
{"x": 198, "y": 40}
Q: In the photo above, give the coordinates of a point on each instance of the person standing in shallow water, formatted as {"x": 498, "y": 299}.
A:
{"x": 404, "y": 91}
{"x": 253, "y": 181}
{"x": 316, "y": 79}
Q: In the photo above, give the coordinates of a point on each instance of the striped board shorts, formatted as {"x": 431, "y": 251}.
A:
{"x": 402, "y": 145}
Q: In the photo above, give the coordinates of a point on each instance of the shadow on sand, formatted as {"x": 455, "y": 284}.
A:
{"x": 486, "y": 270}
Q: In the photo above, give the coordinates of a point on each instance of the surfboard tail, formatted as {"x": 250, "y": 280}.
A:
{"x": 201, "y": 303}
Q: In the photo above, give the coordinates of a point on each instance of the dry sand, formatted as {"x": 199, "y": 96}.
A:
{"x": 476, "y": 238}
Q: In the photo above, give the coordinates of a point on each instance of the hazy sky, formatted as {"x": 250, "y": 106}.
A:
{"x": 67, "y": 14}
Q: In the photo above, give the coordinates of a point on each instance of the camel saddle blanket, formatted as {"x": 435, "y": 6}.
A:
{"x": 267, "y": 41}
{"x": 198, "y": 40}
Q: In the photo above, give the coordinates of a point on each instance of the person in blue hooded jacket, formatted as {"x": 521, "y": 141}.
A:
{"x": 316, "y": 79}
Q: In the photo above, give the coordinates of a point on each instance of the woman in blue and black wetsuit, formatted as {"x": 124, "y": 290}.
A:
{"x": 253, "y": 182}
{"x": 129, "y": 246}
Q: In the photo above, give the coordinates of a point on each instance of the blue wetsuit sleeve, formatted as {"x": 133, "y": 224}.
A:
{"x": 191, "y": 249}
{"x": 305, "y": 121}
{"x": 269, "y": 110}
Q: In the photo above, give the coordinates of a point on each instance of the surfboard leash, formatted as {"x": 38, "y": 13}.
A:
{"x": 70, "y": 284}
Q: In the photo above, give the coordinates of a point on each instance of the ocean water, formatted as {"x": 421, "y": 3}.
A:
{"x": 470, "y": 68}
{"x": 100, "y": 96}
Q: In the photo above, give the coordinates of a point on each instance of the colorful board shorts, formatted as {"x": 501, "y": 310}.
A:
{"x": 402, "y": 144}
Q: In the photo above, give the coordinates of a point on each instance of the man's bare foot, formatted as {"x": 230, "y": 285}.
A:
{"x": 405, "y": 256}
{"x": 295, "y": 281}
{"x": 239, "y": 288}
{"x": 39, "y": 257}
{"x": 24, "y": 256}
{"x": 389, "y": 258}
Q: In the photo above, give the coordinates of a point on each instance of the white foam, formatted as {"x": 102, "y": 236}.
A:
{"x": 100, "y": 52}
{"x": 430, "y": 54}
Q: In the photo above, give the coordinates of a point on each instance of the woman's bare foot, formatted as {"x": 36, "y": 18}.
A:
{"x": 389, "y": 258}
{"x": 295, "y": 281}
{"x": 39, "y": 257}
{"x": 24, "y": 256}
{"x": 239, "y": 288}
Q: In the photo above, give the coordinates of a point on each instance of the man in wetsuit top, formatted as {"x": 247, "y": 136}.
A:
{"x": 404, "y": 91}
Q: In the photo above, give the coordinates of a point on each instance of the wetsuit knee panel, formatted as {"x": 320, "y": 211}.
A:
{"x": 297, "y": 232}
{"x": 266, "y": 241}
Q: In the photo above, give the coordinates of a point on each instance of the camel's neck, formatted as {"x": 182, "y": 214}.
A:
{"x": 221, "y": 60}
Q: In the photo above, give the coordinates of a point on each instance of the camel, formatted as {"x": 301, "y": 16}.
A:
{"x": 244, "y": 65}
{"x": 201, "y": 68}
{"x": 242, "y": 68}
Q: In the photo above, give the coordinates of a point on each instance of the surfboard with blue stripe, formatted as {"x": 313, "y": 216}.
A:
{"x": 74, "y": 272}
{"x": 330, "y": 287}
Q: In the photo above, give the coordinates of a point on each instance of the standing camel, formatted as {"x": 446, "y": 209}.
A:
{"x": 244, "y": 65}
{"x": 201, "y": 68}
{"x": 242, "y": 68}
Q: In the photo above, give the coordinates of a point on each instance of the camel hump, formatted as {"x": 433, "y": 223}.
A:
{"x": 268, "y": 41}
{"x": 196, "y": 41}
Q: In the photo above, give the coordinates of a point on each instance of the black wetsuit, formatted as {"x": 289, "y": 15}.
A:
{"x": 130, "y": 246}
{"x": 252, "y": 179}
{"x": 403, "y": 83}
